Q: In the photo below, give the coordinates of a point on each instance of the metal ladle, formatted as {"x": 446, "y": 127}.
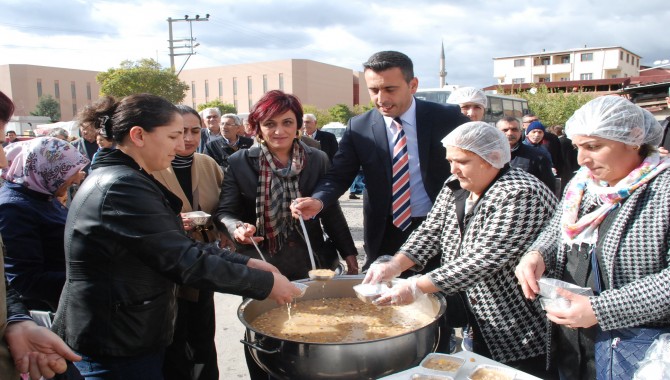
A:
{"x": 315, "y": 274}
{"x": 240, "y": 224}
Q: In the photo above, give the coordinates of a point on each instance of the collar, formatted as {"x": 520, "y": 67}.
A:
{"x": 407, "y": 118}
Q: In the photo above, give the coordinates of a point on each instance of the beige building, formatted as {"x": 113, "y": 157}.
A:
{"x": 569, "y": 65}
{"x": 25, "y": 84}
{"x": 314, "y": 83}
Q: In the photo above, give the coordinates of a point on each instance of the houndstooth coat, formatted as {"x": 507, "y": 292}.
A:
{"x": 481, "y": 262}
{"x": 635, "y": 251}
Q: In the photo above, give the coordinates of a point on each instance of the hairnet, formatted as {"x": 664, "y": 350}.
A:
{"x": 483, "y": 139}
{"x": 468, "y": 95}
{"x": 614, "y": 118}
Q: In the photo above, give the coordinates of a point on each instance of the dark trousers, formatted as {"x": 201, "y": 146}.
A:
{"x": 145, "y": 367}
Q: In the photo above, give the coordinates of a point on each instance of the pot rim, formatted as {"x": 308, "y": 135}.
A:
{"x": 440, "y": 299}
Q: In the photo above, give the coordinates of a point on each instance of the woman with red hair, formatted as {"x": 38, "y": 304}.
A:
{"x": 259, "y": 186}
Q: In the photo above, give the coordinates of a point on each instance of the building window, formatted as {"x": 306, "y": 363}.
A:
{"x": 621, "y": 55}
{"x": 73, "y": 89}
{"x": 265, "y": 83}
{"x": 545, "y": 61}
{"x": 39, "y": 88}
{"x": 235, "y": 103}
{"x": 613, "y": 76}
{"x": 206, "y": 89}
{"x": 88, "y": 90}
{"x": 587, "y": 57}
{"x": 518, "y": 80}
{"x": 565, "y": 59}
{"x": 627, "y": 58}
{"x": 543, "y": 79}
{"x": 586, "y": 76}
{"x": 249, "y": 90}
{"x": 193, "y": 89}
{"x": 519, "y": 62}
{"x": 57, "y": 89}
{"x": 251, "y": 103}
{"x": 74, "y": 109}
{"x": 563, "y": 79}
{"x": 234, "y": 87}
{"x": 281, "y": 81}
{"x": 220, "y": 87}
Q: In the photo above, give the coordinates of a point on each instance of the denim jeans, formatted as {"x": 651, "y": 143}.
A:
{"x": 359, "y": 184}
{"x": 145, "y": 367}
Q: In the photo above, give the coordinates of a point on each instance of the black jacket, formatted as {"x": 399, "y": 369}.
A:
{"x": 125, "y": 250}
{"x": 328, "y": 142}
{"x": 219, "y": 149}
{"x": 238, "y": 203}
{"x": 531, "y": 160}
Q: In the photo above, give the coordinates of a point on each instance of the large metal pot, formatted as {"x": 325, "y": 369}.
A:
{"x": 287, "y": 359}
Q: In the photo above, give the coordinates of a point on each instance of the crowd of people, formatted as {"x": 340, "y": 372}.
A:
{"x": 99, "y": 235}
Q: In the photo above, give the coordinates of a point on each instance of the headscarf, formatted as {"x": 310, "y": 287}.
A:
{"x": 483, "y": 139}
{"x": 612, "y": 118}
{"x": 277, "y": 188}
{"x": 42, "y": 164}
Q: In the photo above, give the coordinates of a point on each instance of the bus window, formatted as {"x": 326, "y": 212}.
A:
{"x": 495, "y": 108}
{"x": 508, "y": 107}
{"x": 518, "y": 109}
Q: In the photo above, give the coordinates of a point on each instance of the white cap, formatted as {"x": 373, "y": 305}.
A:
{"x": 483, "y": 139}
{"x": 468, "y": 95}
{"x": 615, "y": 118}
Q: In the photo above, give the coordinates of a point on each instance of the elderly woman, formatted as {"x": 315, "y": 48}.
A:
{"x": 483, "y": 220}
{"x": 32, "y": 220}
{"x": 196, "y": 179}
{"x": 610, "y": 234}
{"x": 263, "y": 180}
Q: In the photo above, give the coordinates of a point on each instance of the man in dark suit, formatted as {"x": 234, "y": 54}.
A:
{"x": 328, "y": 140}
{"x": 368, "y": 142}
{"x": 220, "y": 149}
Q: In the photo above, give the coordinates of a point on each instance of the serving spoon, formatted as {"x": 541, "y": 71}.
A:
{"x": 315, "y": 274}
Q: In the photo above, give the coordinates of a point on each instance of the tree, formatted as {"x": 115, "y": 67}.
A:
{"x": 216, "y": 103}
{"x": 322, "y": 117}
{"x": 341, "y": 113}
{"x": 47, "y": 106}
{"x": 554, "y": 108}
{"x": 143, "y": 76}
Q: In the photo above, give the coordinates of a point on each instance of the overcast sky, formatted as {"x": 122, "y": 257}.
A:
{"x": 98, "y": 35}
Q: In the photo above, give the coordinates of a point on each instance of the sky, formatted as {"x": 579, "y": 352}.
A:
{"x": 98, "y": 35}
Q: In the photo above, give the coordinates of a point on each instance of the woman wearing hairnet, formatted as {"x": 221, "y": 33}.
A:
{"x": 609, "y": 234}
{"x": 483, "y": 220}
{"x": 473, "y": 102}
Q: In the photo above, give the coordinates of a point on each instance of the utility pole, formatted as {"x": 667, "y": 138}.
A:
{"x": 188, "y": 42}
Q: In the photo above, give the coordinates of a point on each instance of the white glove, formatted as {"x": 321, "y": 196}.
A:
{"x": 384, "y": 269}
{"x": 402, "y": 293}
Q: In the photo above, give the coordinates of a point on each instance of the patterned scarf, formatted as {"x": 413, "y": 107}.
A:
{"x": 42, "y": 164}
{"x": 277, "y": 188}
{"x": 585, "y": 230}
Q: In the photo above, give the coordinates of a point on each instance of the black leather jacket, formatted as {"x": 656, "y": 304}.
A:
{"x": 238, "y": 201}
{"x": 125, "y": 249}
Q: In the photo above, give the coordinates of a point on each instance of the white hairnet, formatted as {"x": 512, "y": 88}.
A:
{"x": 483, "y": 139}
{"x": 614, "y": 118}
{"x": 468, "y": 95}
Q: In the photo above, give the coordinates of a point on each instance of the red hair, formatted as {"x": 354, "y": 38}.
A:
{"x": 273, "y": 103}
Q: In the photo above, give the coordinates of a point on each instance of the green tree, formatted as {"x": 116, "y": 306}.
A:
{"x": 322, "y": 116}
{"x": 554, "y": 108}
{"x": 341, "y": 112}
{"x": 143, "y": 76}
{"x": 47, "y": 106}
{"x": 216, "y": 103}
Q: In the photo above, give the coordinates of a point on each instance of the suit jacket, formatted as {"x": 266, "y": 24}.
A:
{"x": 328, "y": 142}
{"x": 365, "y": 144}
{"x": 219, "y": 149}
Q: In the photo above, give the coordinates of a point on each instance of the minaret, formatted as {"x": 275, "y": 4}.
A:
{"x": 443, "y": 73}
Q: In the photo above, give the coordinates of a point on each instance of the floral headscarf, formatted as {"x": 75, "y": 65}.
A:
{"x": 42, "y": 164}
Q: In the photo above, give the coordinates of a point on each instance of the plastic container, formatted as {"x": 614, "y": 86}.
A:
{"x": 199, "y": 218}
{"x": 442, "y": 364}
{"x": 549, "y": 286}
{"x": 491, "y": 372}
{"x": 423, "y": 376}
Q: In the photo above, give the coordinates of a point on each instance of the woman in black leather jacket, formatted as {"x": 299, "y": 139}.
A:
{"x": 126, "y": 249}
{"x": 263, "y": 180}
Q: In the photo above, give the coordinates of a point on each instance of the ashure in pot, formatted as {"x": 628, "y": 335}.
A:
{"x": 292, "y": 359}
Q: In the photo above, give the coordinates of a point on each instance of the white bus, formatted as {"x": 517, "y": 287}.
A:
{"x": 499, "y": 105}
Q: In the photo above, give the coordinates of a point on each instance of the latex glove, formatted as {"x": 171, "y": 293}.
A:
{"x": 579, "y": 314}
{"x": 402, "y": 293}
{"x": 384, "y": 269}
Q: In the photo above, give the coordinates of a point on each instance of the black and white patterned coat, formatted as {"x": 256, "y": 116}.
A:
{"x": 635, "y": 251}
{"x": 481, "y": 262}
